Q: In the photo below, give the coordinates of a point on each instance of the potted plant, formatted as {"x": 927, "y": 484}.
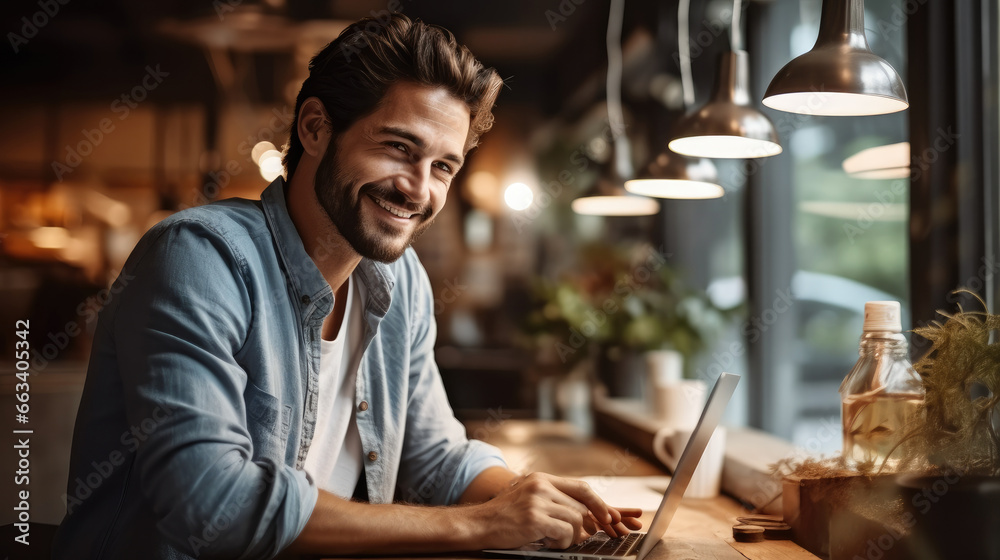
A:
{"x": 615, "y": 304}
{"x": 954, "y": 495}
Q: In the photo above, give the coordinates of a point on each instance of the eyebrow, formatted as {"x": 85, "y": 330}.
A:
{"x": 419, "y": 142}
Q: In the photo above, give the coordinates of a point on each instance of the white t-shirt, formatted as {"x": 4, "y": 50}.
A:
{"x": 334, "y": 459}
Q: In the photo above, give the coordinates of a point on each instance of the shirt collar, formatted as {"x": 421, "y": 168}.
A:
{"x": 302, "y": 272}
{"x": 378, "y": 280}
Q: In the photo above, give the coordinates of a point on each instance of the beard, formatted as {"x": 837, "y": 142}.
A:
{"x": 367, "y": 235}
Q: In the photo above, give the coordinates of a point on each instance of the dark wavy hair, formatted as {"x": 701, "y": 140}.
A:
{"x": 352, "y": 73}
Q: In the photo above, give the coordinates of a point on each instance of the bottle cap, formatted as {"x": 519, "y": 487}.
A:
{"x": 882, "y": 316}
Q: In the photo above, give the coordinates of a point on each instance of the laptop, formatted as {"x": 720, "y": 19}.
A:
{"x": 635, "y": 544}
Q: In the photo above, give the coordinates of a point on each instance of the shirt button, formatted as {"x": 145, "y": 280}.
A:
{"x": 305, "y": 300}
{"x": 372, "y": 456}
{"x": 363, "y": 406}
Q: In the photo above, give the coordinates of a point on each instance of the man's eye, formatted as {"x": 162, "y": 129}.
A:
{"x": 398, "y": 145}
{"x": 443, "y": 166}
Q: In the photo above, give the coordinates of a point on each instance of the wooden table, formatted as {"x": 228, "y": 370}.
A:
{"x": 702, "y": 528}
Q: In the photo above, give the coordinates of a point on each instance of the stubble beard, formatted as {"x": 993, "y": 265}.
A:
{"x": 369, "y": 237}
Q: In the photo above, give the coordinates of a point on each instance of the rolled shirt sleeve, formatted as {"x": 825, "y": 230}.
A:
{"x": 438, "y": 460}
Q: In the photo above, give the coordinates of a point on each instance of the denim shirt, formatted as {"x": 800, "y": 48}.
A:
{"x": 201, "y": 394}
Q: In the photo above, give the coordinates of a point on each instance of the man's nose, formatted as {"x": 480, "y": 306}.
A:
{"x": 415, "y": 183}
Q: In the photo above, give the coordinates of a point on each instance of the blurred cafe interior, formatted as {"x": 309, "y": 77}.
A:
{"x": 551, "y": 304}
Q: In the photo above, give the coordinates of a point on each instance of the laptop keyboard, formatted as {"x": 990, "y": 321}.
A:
{"x": 602, "y": 545}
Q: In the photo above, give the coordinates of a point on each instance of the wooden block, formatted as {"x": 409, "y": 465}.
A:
{"x": 778, "y": 532}
{"x": 858, "y": 536}
{"x": 809, "y": 505}
{"x": 748, "y": 533}
{"x": 762, "y": 520}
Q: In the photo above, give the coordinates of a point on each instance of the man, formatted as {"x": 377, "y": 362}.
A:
{"x": 265, "y": 382}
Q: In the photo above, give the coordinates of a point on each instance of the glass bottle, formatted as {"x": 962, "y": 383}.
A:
{"x": 882, "y": 395}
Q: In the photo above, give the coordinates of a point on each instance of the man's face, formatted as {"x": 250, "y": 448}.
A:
{"x": 386, "y": 177}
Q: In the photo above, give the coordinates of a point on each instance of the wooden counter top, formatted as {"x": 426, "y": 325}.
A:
{"x": 702, "y": 528}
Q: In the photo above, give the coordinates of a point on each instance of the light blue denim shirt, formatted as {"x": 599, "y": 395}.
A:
{"x": 201, "y": 394}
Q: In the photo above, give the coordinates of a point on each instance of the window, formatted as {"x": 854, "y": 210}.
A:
{"x": 820, "y": 242}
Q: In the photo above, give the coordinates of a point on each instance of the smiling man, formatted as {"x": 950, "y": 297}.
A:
{"x": 266, "y": 382}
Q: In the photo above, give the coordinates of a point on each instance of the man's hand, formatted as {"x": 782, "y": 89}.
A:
{"x": 558, "y": 511}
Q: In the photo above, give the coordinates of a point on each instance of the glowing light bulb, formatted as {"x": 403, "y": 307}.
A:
{"x": 518, "y": 196}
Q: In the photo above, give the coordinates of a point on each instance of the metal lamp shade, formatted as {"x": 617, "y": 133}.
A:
{"x": 607, "y": 197}
{"x": 840, "y": 75}
{"x": 622, "y": 204}
{"x": 727, "y": 126}
{"x": 891, "y": 161}
{"x": 674, "y": 176}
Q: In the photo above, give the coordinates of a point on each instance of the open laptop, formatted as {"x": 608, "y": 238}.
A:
{"x": 638, "y": 545}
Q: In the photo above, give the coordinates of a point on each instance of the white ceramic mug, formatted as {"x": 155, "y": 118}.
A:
{"x": 665, "y": 367}
{"x": 668, "y": 445}
{"x": 679, "y": 404}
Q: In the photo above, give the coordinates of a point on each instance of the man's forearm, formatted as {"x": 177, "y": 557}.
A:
{"x": 487, "y": 485}
{"x": 340, "y": 527}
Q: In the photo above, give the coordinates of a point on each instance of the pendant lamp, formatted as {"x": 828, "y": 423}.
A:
{"x": 670, "y": 175}
{"x": 728, "y": 126}
{"x": 615, "y": 204}
{"x": 891, "y": 161}
{"x": 609, "y": 198}
{"x": 840, "y": 75}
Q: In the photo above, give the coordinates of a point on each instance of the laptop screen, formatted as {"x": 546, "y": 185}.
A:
{"x": 711, "y": 415}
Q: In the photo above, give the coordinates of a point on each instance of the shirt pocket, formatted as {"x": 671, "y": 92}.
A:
{"x": 268, "y": 422}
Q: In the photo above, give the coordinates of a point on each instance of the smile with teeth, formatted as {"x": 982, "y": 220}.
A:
{"x": 393, "y": 210}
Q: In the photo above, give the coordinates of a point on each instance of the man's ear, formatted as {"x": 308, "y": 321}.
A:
{"x": 313, "y": 127}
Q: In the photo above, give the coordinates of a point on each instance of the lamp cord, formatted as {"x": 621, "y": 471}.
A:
{"x": 616, "y": 120}
{"x": 737, "y": 36}
{"x": 684, "y": 51}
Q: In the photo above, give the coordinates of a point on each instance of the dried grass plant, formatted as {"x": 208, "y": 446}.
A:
{"x": 961, "y": 378}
